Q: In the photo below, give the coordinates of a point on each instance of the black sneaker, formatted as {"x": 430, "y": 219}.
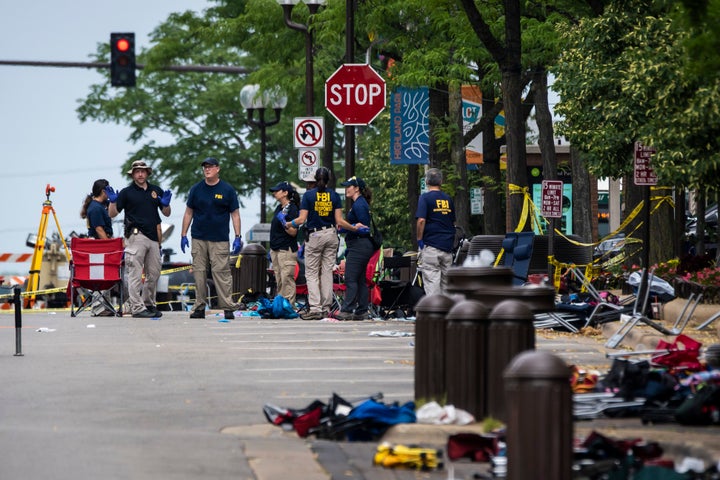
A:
{"x": 312, "y": 316}
{"x": 144, "y": 314}
{"x": 362, "y": 316}
{"x": 156, "y": 313}
{"x": 197, "y": 314}
{"x": 344, "y": 315}
{"x": 229, "y": 315}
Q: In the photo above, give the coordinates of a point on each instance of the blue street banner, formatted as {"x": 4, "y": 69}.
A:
{"x": 410, "y": 126}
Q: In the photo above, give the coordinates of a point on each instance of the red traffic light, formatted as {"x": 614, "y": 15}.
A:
{"x": 122, "y": 45}
{"x": 122, "y": 59}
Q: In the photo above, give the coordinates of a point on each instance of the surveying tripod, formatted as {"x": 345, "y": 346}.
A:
{"x": 37, "y": 258}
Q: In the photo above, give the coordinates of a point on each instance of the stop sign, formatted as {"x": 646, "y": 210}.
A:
{"x": 355, "y": 94}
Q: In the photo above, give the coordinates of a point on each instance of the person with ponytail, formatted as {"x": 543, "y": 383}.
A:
{"x": 283, "y": 243}
{"x": 321, "y": 212}
{"x": 95, "y": 212}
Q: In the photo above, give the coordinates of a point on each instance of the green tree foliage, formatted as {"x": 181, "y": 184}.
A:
{"x": 625, "y": 76}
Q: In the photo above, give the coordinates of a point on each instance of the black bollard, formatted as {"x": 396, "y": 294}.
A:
{"x": 510, "y": 332}
{"x": 539, "y": 412}
{"x": 430, "y": 326}
{"x": 466, "y": 357}
{"x": 18, "y": 321}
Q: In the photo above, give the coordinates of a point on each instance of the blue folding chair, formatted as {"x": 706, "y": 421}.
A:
{"x": 518, "y": 248}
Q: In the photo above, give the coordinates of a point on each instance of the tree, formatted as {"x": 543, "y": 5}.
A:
{"x": 606, "y": 100}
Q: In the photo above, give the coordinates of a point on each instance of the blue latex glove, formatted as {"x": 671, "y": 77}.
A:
{"x": 421, "y": 244}
{"x": 165, "y": 199}
{"x": 363, "y": 230}
{"x": 281, "y": 216}
{"x": 111, "y": 194}
{"x": 301, "y": 251}
{"x": 184, "y": 243}
{"x": 342, "y": 230}
{"x": 237, "y": 246}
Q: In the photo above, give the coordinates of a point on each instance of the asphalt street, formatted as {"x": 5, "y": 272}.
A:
{"x": 176, "y": 398}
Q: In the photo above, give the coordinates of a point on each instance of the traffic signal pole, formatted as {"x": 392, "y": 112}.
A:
{"x": 139, "y": 66}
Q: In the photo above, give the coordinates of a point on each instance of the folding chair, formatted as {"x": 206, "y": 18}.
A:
{"x": 518, "y": 248}
{"x": 638, "y": 316}
{"x": 96, "y": 266}
{"x": 373, "y": 274}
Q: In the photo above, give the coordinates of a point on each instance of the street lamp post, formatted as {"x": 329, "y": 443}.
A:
{"x": 253, "y": 99}
{"x": 313, "y": 6}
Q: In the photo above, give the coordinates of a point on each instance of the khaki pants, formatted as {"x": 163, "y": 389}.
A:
{"x": 320, "y": 255}
{"x": 435, "y": 264}
{"x": 141, "y": 255}
{"x": 284, "y": 263}
{"x": 216, "y": 255}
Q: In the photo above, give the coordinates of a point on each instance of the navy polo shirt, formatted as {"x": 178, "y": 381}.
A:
{"x": 279, "y": 238}
{"x": 97, "y": 216}
{"x": 359, "y": 213}
{"x": 438, "y": 210}
{"x": 321, "y": 206}
{"x": 211, "y": 206}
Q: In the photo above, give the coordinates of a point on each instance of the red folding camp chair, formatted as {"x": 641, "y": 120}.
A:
{"x": 96, "y": 266}
{"x": 373, "y": 275}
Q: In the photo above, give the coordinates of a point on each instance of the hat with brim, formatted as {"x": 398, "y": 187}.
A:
{"x": 140, "y": 165}
{"x": 210, "y": 161}
{"x": 282, "y": 186}
{"x": 354, "y": 182}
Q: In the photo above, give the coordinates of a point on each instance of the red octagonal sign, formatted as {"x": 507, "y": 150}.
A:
{"x": 355, "y": 94}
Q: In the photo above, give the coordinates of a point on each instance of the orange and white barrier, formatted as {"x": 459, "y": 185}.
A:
{"x": 15, "y": 257}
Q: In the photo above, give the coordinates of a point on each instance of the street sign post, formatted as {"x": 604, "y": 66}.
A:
{"x": 309, "y": 132}
{"x": 643, "y": 173}
{"x": 355, "y": 94}
{"x": 308, "y": 162}
{"x": 552, "y": 198}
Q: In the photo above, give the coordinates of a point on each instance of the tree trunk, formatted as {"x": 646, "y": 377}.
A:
{"x": 512, "y": 86}
{"x": 413, "y": 194}
{"x": 457, "y": 154}
{"x": 493, "y": 186}
{"x": 632, "y": 195}
{"x": 438, "y": 116}
{"x": 661, "y": 226}
{"x": 582, "y": 213}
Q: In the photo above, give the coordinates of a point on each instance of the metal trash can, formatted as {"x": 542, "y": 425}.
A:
{"x": 539, "y": 420}
{"x": 466, "y": 364}
{"x": 510, "y": 332}
{"x": 250, "y": 280}
{"x": 430, "y": 326}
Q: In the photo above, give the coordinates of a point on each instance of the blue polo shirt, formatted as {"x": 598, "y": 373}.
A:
{"x": 359, "y": 213}
{"x": 438, "y": 210}
{"x": 97, "y": 216}
{"x": 211, "y": 206}
{"x": 321, "y": 206}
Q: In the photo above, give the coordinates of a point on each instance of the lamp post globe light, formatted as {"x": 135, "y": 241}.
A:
{"x": 313, "y": 7}
{"x": 253, "y": 99}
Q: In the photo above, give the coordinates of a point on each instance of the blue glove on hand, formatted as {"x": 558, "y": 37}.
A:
{"x": 237, "y": 246}
{"x": 281, "y": 216}
{"x": 421, "y": 244}
{"x": 184, "y": 243}
{"x": 165, "y": 199}
{"x": 111, "y": 194}
{"x": 363, "y": 230}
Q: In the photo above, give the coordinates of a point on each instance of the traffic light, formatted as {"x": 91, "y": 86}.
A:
{"x": 122, "y": 59}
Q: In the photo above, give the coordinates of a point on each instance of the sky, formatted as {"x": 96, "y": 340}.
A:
{"x": 41, "y": 139}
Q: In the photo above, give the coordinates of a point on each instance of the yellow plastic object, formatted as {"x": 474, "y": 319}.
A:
{"x": 401, "y": 456}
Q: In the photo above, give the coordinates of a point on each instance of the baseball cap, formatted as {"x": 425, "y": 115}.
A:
{"x": 282, "y": 186}
{"x": 140, "y": 164}
{"x": 355, "y": 182}
{"x": 210, "y": 161}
